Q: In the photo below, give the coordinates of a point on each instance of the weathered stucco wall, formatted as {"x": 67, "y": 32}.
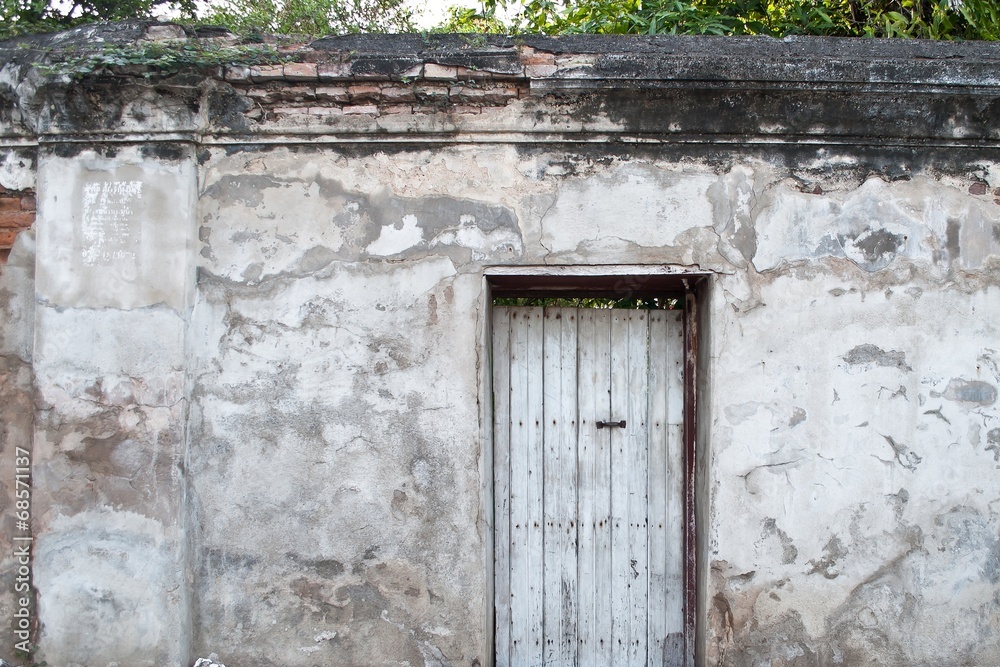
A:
{"x": 113, "y": 289}
{"x": 258, "y": 368}
{"x": 852, "y": 467}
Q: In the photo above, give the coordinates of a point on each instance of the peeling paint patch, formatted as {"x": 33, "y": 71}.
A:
{"x": 872, "y": 249}
{"x": 906, "y": 458}
{"x": 993, "y": 438}
{"x": 973, "y": 392}
{"x": 869, "y": 355}
{"x": 468, "y": 234}
{"x": 789, "y": 552}
{"x": 394, "y": 239}
{"x": 833, "y": 552}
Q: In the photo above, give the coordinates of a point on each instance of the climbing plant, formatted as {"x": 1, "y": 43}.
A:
{"x": 21, "y": 17}
{"x": 303, "y": 17}
{"x": 158, "y": 58}
{"x": 931, "y": 19}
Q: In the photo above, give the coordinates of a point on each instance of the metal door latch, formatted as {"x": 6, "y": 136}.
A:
{"x": 620, "y": 424}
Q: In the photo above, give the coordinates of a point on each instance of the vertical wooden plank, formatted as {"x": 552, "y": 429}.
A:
{"x": 535, "y": 488}
{"x": 658, "y": 477}
{"x": 675, "y": 538}
{"x": 621, "y": 568}
{"x": 552, "y": 488}
{"x": 568, "y": 432}
{"x": 635, "y": 436}
{"x": 589, "y": 399}
{"x": 604, "y": 585}
{"x": 501, "y": 482}
{"x": 525, "y": 486}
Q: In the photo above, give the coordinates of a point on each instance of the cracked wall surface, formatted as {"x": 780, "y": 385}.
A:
{"x": 16, "y": 417}
{"x": 852, "y": 477}
{"x": 112, "y": 302}
{"x": 246, "y": 338}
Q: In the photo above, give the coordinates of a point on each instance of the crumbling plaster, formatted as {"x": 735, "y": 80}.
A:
{"x": 260, "y": 397}
{"x": 835, "y": 420}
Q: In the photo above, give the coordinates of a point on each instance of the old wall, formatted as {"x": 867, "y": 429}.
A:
{"x": 851, "y": 484}
{"x": 258, "y": 369}
{"x": 113, "y": 291}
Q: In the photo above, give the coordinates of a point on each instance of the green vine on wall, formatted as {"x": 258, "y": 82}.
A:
{"x": 160, "y": 58}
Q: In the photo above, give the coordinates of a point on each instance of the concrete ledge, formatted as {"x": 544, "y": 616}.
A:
{"x": 787, "y": 90}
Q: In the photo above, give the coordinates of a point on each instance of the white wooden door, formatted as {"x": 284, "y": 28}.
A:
{"x": 588, "y": 520}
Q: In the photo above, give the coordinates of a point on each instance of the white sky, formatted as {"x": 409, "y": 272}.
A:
{"x": 429, "y": 13}
{"x": 432, "y": 12}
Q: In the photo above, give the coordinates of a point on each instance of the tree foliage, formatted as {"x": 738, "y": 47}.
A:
{"x": 303, "y": 17}
{"x": 20, "y": 17}
{"x": 931, "y": 19}
{"x": 311, "y": 17}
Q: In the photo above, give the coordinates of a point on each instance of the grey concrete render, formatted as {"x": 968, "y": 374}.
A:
{"x": 246, "y": 341}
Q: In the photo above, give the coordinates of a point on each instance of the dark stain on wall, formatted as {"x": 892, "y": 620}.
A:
{"x": 868, "y": 354}
{"x": 971, "y": 391}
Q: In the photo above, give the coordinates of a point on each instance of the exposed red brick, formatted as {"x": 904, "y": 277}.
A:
{"x": 487, "y": 95}
{"x": 480, "y": 75}
{"x": 430, "y": 92}
{"x": 398, "y": 94}
{"x": 328, "y": 71}
{"x": 978, "y": 188}
{"x": 435, "y": 71}
{"x": 396, "y": 109}
{"x": 267, "y": 72}
{"x": 501, "y": 94}
{"x": 335, "y": 93}
{"x": 7, "y": 237}
{"x": 301, "y": 72}
{"x": 325, "y": 111}
{"x": 10, "y": 204}
{"x": 465, "y": 92}
{"x": 360, "y": 109}
{"x": 28, "y": 203}
{"x": 364, "y": 92}
{"x": 18, "y": 220}
{"x": 529, "y": 56}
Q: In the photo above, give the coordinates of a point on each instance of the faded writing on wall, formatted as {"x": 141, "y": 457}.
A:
{"x": 107, "y": 221}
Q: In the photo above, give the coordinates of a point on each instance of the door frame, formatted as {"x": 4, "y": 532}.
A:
{"x": 614, "y": 281}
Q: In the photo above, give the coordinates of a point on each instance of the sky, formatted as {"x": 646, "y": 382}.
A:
{"x": 429, "y": 13}
{"x": 432, "y": 12}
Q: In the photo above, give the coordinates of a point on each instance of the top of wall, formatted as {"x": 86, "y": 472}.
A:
{"x": 662, "y": 88}
{"x": 613, "y": 60}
